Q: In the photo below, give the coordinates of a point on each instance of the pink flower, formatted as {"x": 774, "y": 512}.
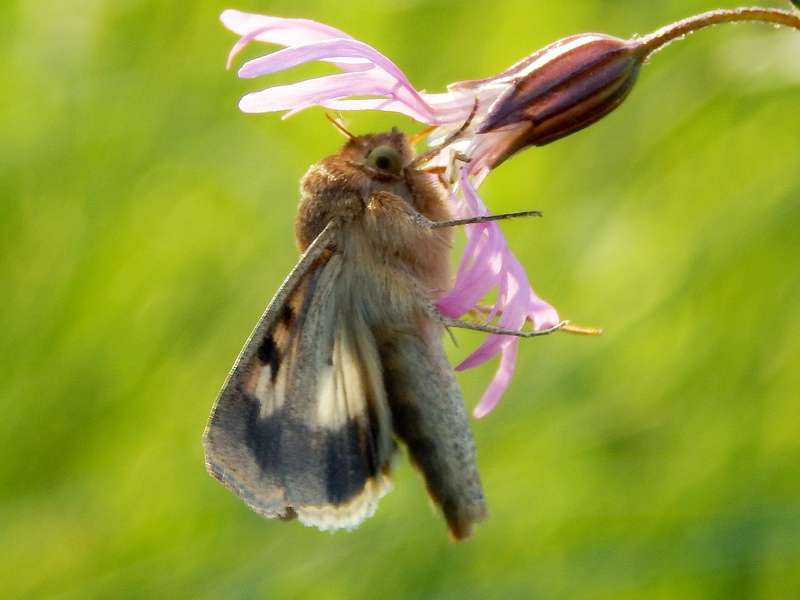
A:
{"x": 370, "y": 81}
{"x": 552, "y": 93}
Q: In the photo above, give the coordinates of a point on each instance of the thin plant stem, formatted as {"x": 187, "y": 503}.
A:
{"x": 660, "y": 38}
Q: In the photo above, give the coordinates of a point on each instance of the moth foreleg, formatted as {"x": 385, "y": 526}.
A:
{"x": 437, "y": 317}
{"x": 480, "y": 219}
{"x": 450, "y": 322}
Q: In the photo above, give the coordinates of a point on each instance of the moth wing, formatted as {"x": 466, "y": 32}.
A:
{"x": 302, "y": 426}
{"x": 429, "y": 416}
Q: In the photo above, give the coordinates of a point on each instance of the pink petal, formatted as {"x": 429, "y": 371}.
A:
{"x": 473, "y": 282}
{"x": 490, "y": 347}
{"x": 541, "y": 314}
{"x": 330, "y": 51}
{"x": 371, "y": 74}
{"x": 474, "y": 236}
{"x": 482, "y": 260}
{"x": 516, "y": 298}
{"x": 328, "y": 91}
{"x": 355, "y": 52}
{"x": 275, "y": 30}
{"x": 309, "y": 92}
{"x": 500, "y": 382}
{"x": 279, "y": 30}
{"x": 304, "y": 38}
{"x": 513, "y": 317}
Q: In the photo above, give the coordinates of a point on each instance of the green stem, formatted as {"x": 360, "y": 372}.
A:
{"x": 660, "y": 38}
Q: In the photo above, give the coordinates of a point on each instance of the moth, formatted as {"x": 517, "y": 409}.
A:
{"x": 347, "y": 359}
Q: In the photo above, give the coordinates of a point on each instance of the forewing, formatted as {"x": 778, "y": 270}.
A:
{"x": 302, "y": 425}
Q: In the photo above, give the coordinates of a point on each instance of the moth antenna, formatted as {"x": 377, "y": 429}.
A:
{"x": 338, "y": 124}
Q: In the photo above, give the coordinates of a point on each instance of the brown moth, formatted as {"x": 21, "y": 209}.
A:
{"x": 348, "y": 356}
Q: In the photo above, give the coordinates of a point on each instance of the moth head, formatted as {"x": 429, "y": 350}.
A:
{"x": 382, "y": 154}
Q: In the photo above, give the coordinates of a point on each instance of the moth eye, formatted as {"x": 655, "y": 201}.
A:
{"x": 386, "y": 158}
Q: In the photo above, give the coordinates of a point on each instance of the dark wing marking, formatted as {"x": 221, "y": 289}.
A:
{"x": 302, "y": 427}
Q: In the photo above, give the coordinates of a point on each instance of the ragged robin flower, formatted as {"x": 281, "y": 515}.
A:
{"x": 554, "y": 92}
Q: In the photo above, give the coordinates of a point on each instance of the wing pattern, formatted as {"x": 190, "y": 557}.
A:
{"x": 302, "y": 426}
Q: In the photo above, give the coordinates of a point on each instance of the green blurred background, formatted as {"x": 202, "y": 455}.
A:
{"x": 145, "y": 223}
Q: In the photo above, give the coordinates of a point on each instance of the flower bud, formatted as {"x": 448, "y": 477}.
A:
{"x": 563, "y": 88}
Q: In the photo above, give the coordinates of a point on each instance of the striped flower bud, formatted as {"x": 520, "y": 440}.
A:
{"x": 564, "y": 87}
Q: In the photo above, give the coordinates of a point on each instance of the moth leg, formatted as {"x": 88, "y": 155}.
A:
{"x": 449, "y": 322}
{"x": 481, "y": 219}
{"x": 479, "y": 311}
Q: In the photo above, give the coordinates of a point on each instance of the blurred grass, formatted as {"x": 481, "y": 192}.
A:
{"x": 145, "y": 223}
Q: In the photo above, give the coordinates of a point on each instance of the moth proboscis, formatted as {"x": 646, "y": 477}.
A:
{"x": 348, "y": 356}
